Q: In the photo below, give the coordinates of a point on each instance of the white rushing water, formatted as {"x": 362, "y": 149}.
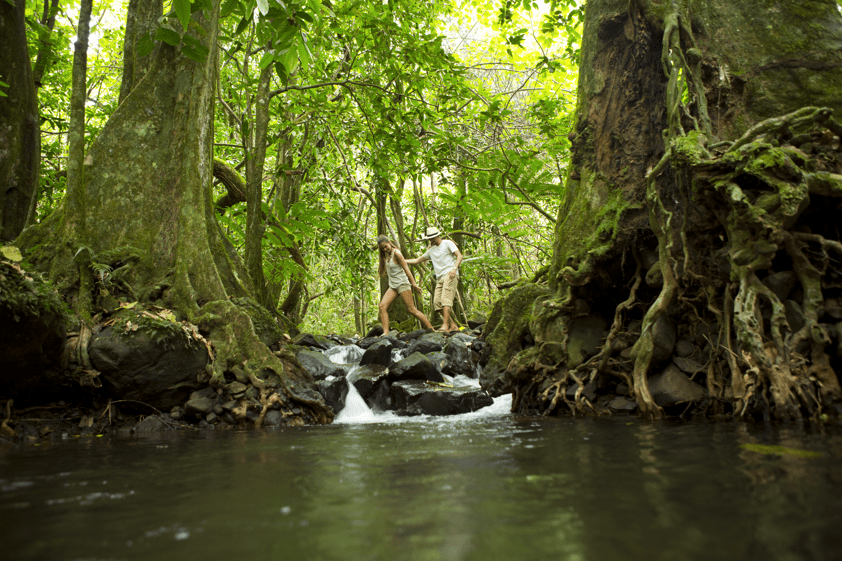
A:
{"x": 357, "y": 411}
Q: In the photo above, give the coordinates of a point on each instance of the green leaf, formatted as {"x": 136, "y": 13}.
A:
{"x": 244, "y": 23}
{"x": 228, "y": 8}
{"x": 168, "y": 36}
{"x": 182, "y": 11}
{"x": 263, "y": 7}
{"x": 266, "y": 60}
{"x": 290, "y": 59}
{"x": 145, "y": 45}
{"x": 197, "y": 53}
{"x": 11, "y": 253}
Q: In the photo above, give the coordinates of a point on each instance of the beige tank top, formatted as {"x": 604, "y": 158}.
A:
{"x": 397, "y": 276}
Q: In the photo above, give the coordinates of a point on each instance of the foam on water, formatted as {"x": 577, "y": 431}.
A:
{"x": 344, "y": 354}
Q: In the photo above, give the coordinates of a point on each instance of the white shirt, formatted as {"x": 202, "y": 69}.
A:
{"x": 443, "y": 257}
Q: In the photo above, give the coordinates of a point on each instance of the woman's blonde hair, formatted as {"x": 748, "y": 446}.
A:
{"x": 381, "y": 269}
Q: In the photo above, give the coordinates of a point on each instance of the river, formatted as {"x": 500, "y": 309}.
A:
{"x": 481, "y": 486}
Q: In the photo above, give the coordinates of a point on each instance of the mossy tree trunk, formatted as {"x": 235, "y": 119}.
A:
{"x": 20, "y": 141}
{"x": 706, "y": 166}
{"x": 141, "y": 20}
{"x": 143, "y": 207}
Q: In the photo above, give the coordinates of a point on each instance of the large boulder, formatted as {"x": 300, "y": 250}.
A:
{"x": 586, "y": 336}
{"x": 412, "y": 397}
{"x": 335, "y": 391}
{"x": 427, "y": 343}
{"x": 458, "y": 360}
{"x": 32, "y": 337}
{"x": 663, "y": 340}
{"x": 378, "y": 353}
{"x": 672, "y": 386}
{"x": 156, "y": 364}
{"x": 313, "y": 341}
{"x": 412, "y": 335}
{"x": 318, "y": 365}
{"x": 414, "y": 367}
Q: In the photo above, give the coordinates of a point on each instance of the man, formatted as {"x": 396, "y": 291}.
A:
{"x": 446, "y": 259}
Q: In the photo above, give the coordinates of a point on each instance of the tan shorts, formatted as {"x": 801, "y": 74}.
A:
{"x": 445, "y": 292}
{"x": 402, "y": 288}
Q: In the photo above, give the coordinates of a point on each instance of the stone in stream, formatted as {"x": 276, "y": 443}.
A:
{"x": 318, "y": 365}
{"x": 427, "y": 343}
{"x": 585, "y": 337}
{"x": 368, "y": 378}
{"x": 366, "y": 342}
{"x": 412, "y": 397}
{"x": 378, "y": 353}
{"x": 272, "y": 418}
{"x": 438, "y": 358}
{"x": 414, "y": 367}
{"x": 684, "y": 348}
{"x": 313, "y": 341}
{"x": 672, "y": 386}
{"x": 663, "y": 340}
{"x": 589, "y": 392}
{"x": 156, "y": 369}
{"x": 199, "y": 406}
{"x": 622, "y": 405}
{"x": 458, "y": 358}
{"x": 412, "y": 335}
{"x": 375, "y": 331}
{"x": 476, "y": 320}
{"x": 334, "y": 390}
{"x": 152, "y": 423}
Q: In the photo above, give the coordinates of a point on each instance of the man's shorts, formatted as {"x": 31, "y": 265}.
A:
{"x": 445, "y": 292}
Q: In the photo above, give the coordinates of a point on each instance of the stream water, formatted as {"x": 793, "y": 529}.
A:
{"x": 480, "y": 486}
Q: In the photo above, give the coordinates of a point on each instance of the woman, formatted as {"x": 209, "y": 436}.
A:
{"x": 401, "y": 282}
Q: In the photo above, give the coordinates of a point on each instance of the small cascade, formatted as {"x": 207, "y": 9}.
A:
{"x": 356, "y": 410}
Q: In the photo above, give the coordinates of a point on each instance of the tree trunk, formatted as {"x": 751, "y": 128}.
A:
{"x": 141, "y": 20}
{"x": 706, "y": 166}
{"x": 45, "y": 49}
{"x": 146, "y": 191}
{"x": 20, "y": 141}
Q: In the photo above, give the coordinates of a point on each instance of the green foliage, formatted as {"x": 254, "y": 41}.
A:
{"x": 23, "y": 293}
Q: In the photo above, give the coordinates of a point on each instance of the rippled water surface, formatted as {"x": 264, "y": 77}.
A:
{"x": 483, "y": 486}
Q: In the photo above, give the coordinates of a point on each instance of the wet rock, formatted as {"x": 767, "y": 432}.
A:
{"x": 199, "y": 407}
{"x": 585, "y": 337}
{"x": 395, "y": 342}
{"x": 663, "y": 339}
{"x": 375, "y": 331}
{"x": 781, "y": 283}
{"x": 438, "y": 358}
{"x": 462, "y": 336}
{"x": 412, "y": 335}
{"x": 477, "y": 320}
{"x": 414, "y": 367}
{"x": 418, "y": 398}
{"x": 211, "y": 417}
{"x": 334, "y": 390}
{"x": 688, "y": 365}
{"x": 345, "y": 354}
{"x": 318, "y": 365}
{"x": 622, "y": 405}
{"x": 313, "y": 341}
{"x": 236, "y": 389}
{"x": 684, "y": 348}
{"x": 366, "y": 342}
{"x": 272, "y": 419}
{"x": 378, "y": 353}
{"x": 589, "y": 392}
{"x": 427, "y": 343}
{"x": 458, "y": 358}
{"x": 794, "y": 315}
{"x": 672, "y": 386}
{"x": 368, "y": 378}
{"x": 157, "y": 370}
{"x": 153, "y": 423}
{"x": 204, "y": 392}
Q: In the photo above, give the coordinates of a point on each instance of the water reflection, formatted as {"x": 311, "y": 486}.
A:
{"x": 469, "y": 489}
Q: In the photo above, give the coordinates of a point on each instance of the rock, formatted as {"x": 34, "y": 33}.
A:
{"x": 378, "y": 353}
{"x": 589, "y": 391}
{"x": 622, "y": 389}
{"x": 156, "y": 369}
{"x": 199, "y": 407}
{"x": 832, "y": 308}
{"x": 672, "y": 386}
{"x": 462, "y": 336}
{"x": 375, "y": 331}
{"x": 153, "y": 423}
{"x": 366, "y": 342}
{"x": 585, "y": 337}
{"x": 458, "y": 358}
{"x": 272, "y": 419}
{"x": 663, "y": 339}
{"x": 794, "y": 315}
{"x": 211, "y": 417}
{"x": 684, "y": 348}
{"x": 427, "y": 343}
{"x": 318, "y": 365}
{"x": 622, "y": 404}
{"x": 781, "y": 283}
{"x": 334, "y": 390}
{"x": 412, "y": 335}
{"x": 236, "y": 389}
{"x": 477, "y": 320}
{"x": 313, "y": 341}
{"x": 688, "y": 365}
{"x": 414, "y": 367}
{"x": 412, "y": 397}
{"x": 345, "y": 354}
{"x": 204, "y": 392}
{"x": 654, "y": 276}
{"x": 367, "y": 378}
{"x": 438, "y": 358}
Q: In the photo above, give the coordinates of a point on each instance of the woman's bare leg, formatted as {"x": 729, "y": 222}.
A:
{"x": 410, "y": 307}
{"x": 388, "y": 297}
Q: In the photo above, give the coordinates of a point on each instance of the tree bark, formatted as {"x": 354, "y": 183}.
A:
{"x": 702, "y": 157}
{"x": 45, "y": 49}
{"x": 20, "y": 142}
{"x": 141, "y": 20}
